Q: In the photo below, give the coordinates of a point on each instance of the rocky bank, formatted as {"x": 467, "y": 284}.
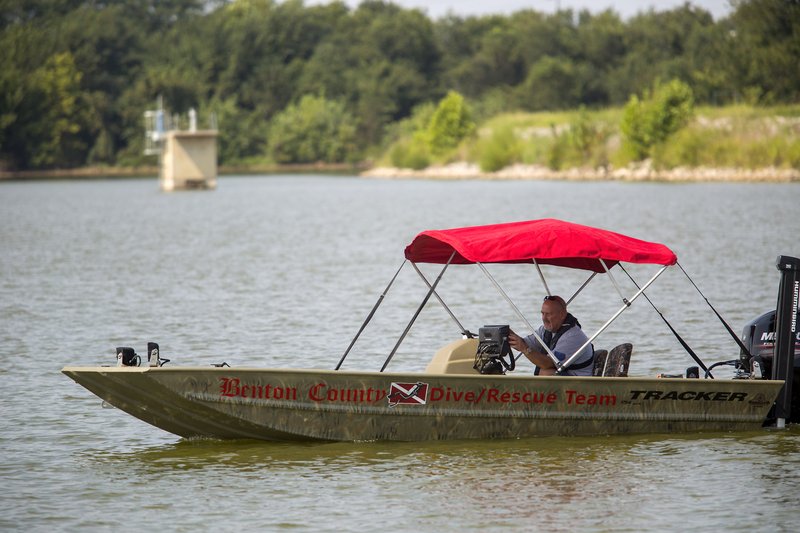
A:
{"x": 640, "y": 172}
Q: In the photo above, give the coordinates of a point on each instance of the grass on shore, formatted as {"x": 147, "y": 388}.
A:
{"x": 727, "y": 137}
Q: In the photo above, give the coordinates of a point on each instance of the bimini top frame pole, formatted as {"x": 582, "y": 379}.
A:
{"x": 419, "y": 310}
{"x": 369, "y": 317}
{"x": 614, "y": 282}
{"x": 541, "y": 276}
{"x": 627, "y": 304}
{"x": 518, "y": 312}
{"x": 585, "y": 283}
{"x": 464, "y": 332}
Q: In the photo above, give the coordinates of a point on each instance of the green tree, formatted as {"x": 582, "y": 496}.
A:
{"x": 381, "y": 61}
{"x": 656, "y": 46}
{"x": 450, "y": 123}
{"x": 710, "y": 64}
{"x": 11, "y": 95}
{"x": 64, "y": 115}
{"x": 551, "y": 84}
{"x": 316, "y": 129}
{"x": 253, "y": 58}
{"x": 601, "y": 39}
{"x": 26, "y": 47}
{"x": 242, "y": 134}
{"x": 108, "y": 42}
{"x": 498, "y": 61}
{"x": 494, "y": 59}
{"x": 48, "y": 120}
{"x": 460, "y": 40}
{"x": 261, "y": 51}
{"x": 764, "y": 42}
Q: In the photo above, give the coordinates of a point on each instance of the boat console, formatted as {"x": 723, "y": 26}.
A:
{"x": 489, "y": 354}
{"x": 458, "y": 357}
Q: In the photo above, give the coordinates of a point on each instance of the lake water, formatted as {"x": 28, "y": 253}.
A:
{"x": 280, "y": 271}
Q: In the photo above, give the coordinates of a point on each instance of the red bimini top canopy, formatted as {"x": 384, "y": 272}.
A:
{"x": 547, "y": 241}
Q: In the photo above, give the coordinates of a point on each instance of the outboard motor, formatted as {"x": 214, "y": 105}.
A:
{"x": 763, "y": 339}
{"x": 758, "y": 336}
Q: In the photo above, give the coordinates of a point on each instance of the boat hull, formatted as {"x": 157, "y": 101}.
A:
{"x": 292, "y": 405}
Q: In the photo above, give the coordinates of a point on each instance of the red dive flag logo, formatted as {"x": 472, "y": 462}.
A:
{"x": 412, "y": 393}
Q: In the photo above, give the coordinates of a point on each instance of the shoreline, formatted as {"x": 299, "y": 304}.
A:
{"x": 641, "y": 172}
{"x": 79, "y": 173}
{"x": 153, "y": 171}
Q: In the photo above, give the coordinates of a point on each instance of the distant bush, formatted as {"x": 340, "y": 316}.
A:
{"x": 690, "y": 147}
{"x": 653, "y": 119}
{"x": 793, "y": 153}
{"x": 582, "y": 135}
{"x": 492, "y": 103}
{"x": 407, "y": 146}
{"x": 710, "y": 148}
{"x": 734, "y": 136}
{"x": 450, "y": 123}
{"x": 410, "y": 153}
{"x": 431, "y": 133}
{"x": 721, "y": 147}
{"x": 407, "y": 127}
{"x": 557, "y": 153}
{"x": 498, "y": 151}
{"x": 587, "y": 140}
{"x": 582, "y": 144}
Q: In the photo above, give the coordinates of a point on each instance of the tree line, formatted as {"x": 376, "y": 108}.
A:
{"x": 291, "y": 83}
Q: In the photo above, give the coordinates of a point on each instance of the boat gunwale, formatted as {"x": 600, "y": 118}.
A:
{"x": 364, "y": 373}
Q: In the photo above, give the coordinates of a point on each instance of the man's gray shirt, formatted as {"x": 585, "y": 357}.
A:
{"x": 566, "y": 345}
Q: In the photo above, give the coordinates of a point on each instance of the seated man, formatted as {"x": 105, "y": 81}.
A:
{"x": 563, "y": 335}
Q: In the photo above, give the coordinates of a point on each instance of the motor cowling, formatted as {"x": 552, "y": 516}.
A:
{"x": 758, "y": 336}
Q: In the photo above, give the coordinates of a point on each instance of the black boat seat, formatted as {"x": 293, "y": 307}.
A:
{"x": 599, "y": 362}
{"x": 615, "y": 363}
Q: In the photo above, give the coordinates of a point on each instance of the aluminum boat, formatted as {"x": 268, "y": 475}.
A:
{"x": 469, "y": 389}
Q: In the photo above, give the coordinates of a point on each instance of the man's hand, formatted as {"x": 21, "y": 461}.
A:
{"x": 516, "y": 342}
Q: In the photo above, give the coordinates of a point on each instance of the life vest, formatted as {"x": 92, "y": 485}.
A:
{"x": 551, "y": 339}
